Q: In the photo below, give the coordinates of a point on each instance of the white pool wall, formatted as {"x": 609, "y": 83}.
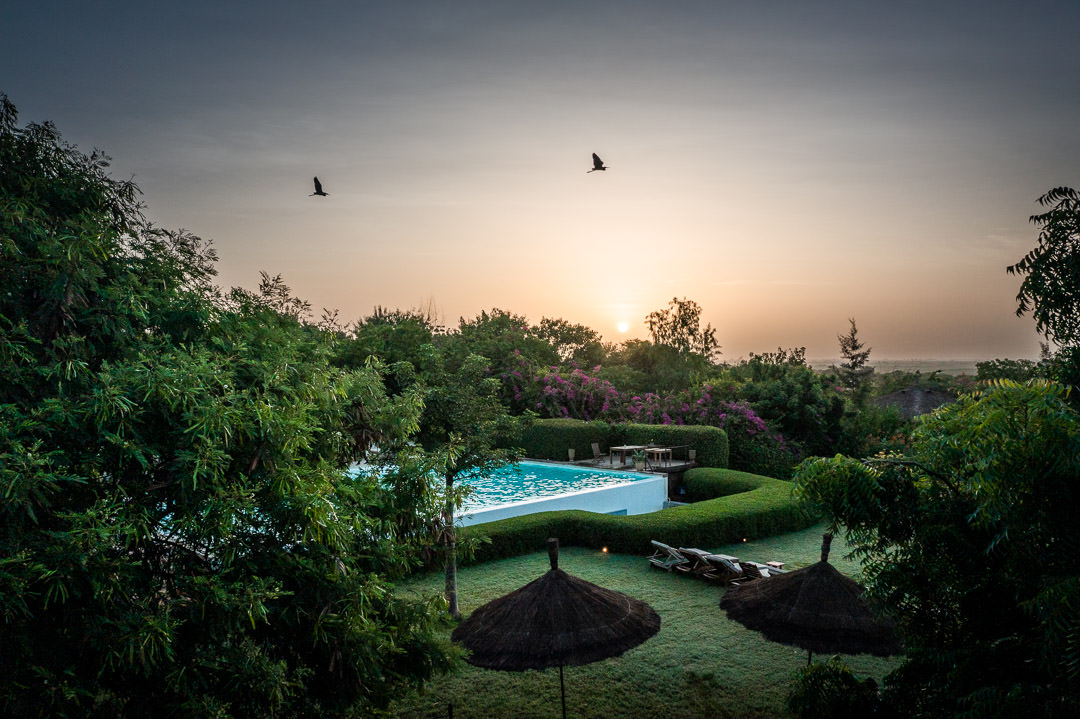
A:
{"x": 639, "y": 496}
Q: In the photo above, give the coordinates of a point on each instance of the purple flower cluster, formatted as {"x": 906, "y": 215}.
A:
{"x": 581, "y": 396}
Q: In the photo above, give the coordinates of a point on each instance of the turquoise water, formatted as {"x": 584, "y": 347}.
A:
{"x": 531, "y": 480}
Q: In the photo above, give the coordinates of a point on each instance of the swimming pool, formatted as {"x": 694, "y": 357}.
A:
{"x": 529, "y": 487}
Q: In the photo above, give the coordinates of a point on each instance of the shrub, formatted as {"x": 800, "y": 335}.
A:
{"x": 550, "y": 438}
{"x": 702, "y": 484}
{"x": 830, "y": 689}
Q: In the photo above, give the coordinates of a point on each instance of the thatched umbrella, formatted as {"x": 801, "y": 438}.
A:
{"x": 816, "y": 608}
{"x": 555, "y": 620}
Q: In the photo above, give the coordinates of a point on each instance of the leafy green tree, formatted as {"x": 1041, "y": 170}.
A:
{"x": 970, "y": 540}
{"x": 1051, "y": 286}
{"x": 679, "y": 326}
{"x": 652, "y": 367}
{"x": 467, "y": 430}
{"x": 514, "y": 350}
{"x": 574, "y": 343}
{"x": 177, "y": 532}
{"x": 797, "y": 401}
{"x": 1016, "y": 370}
{"x": 391, "y": 336}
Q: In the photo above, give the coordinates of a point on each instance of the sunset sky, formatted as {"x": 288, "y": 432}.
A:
{"x": 786, "y": 165}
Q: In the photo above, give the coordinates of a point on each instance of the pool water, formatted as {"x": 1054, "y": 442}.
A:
{"x": 531, "y": 480}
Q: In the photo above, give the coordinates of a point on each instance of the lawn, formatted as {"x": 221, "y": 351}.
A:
{"x": 699, "y": 665}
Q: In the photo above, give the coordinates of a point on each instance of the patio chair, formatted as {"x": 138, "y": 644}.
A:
{"x": 665, "y": 557}
{"x": 598, "y": 456}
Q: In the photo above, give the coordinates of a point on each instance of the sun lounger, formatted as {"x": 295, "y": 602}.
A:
{"x": 665, "y": 557}
{"x": 723, "y": 569}
{"x": 697, "y": 564}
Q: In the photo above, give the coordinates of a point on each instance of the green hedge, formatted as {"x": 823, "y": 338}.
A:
{"x": 711, "y": 443}
{"x": 748, "y": 506}
{"x": 550, "y": 438}
{"x": 702, "y": 485}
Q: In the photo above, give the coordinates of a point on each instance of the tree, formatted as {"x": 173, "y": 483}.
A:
{"x": 853, "y": 370}
{"x": 177, "y": 531}
{"x": 970, "y": 541}
{"x": 392, "y": 336}
{"x": 796, "y": 400}
{"x": 574, "y": 343}
{"x": 679, "y": 326}
{"x": 513, "y": 349}
{"x": 467, "y": 430}
{"x": 1051, "y": 286}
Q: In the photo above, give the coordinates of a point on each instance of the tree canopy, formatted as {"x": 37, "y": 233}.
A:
{"x": 970, "y": 540}
{"x": 177, "y": 530}
{"x": 679, "y": 326}
{"x": 1051, "y": 271}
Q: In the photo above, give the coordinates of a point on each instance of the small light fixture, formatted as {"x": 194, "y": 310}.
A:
{"x": 604, "y": 550}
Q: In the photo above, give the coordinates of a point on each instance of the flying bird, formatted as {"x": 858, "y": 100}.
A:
{"x": 318, "y": 189}
{"x": 597, "y": 164}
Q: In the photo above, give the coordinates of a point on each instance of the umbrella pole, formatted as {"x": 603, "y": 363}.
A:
{"x": 562, "y": 689}
{"x": 809, "y": 656}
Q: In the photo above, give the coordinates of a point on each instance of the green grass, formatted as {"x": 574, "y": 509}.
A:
{"x": 700, "y": 664}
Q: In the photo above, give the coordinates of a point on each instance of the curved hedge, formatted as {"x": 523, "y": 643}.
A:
{"x": 746, "y": 506}
{"x": 550, "y": 438}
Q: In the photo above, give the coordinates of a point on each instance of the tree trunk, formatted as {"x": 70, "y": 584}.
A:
{"x": 451, "y": 551}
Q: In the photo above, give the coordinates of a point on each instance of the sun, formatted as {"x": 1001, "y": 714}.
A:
{"x": 623, "y": 326}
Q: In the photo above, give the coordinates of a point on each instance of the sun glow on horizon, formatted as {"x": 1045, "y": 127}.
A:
{"x": 623, "y": 326}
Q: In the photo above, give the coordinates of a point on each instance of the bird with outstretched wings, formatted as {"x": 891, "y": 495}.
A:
{"x": 597, "y": 164}
{"x": 318, "y": 189}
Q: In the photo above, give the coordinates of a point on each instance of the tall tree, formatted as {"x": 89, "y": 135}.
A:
{"x": 574, "y": 343}
{"x": 679, "y": 326}
{"x": 853, "y": 370}
{"x": 177, "y": 531}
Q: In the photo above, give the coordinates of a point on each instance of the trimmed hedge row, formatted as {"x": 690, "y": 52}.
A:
{"x": 550, "y": 438}
{"x": 747, "y": 506}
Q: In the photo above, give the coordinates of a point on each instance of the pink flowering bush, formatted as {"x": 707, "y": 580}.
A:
{"x": 577, "y": 396}
{"x": 755, "y": 447}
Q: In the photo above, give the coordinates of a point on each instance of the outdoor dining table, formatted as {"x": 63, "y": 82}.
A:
{"x": 622, "y": 449}
{"x": 659, "y": 454}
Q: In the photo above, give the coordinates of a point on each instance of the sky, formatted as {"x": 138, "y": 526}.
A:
{"x": 787, "y": 165}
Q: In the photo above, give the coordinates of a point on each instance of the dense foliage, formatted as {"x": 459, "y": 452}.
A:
{"x": 177, "y": 532}
{"x": 971, "y": 541}
{"x": 1051, "y": 271}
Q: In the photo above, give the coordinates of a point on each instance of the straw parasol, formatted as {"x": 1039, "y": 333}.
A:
{"x": 815, "y": 608}
{"x": 555, "y": 620}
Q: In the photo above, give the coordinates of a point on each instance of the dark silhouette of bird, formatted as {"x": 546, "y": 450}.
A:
{"x": 597, "y": 164}
{"x": 318, "y": 189}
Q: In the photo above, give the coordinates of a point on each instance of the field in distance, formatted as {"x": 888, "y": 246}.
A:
{"x": 926, "y": 366}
